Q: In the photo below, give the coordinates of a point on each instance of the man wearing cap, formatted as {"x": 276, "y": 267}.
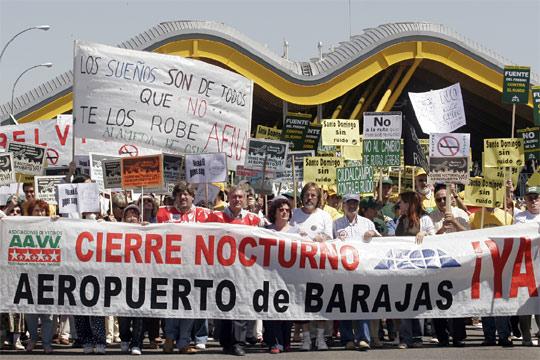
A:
{"x": 369, "y": 209}
{"x": 353, "y": 227}
{"x": 424, "y": 190}
{"x": 387, "y": 206}
{"x": 531, "y": 214}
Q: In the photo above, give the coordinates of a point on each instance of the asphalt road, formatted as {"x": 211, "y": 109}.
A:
{"x": 473, "y": 350}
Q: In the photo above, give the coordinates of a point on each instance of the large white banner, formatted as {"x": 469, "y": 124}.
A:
{"x": 439, "y": 111}
{"x": 160, "y": 101}
{"x": 72, "y": 266}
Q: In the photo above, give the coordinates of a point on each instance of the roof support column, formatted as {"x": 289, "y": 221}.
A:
{"x": 390, "y": 89}
{"x": 399, "y": 89}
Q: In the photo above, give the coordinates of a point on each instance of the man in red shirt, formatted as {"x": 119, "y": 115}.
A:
{"x": 233, "y": 333}
{"x": 183, "y": 211}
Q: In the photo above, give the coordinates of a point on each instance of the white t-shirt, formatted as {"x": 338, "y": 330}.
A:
{"x": 437, "y": 216}
{"x": 426, "y": 225}
{"x": 352, "y": 231}
{"x": 525, "y": 217}
{"x": 312, "y": 224}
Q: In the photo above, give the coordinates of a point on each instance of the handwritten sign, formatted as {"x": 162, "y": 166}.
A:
{"x": 340, "y": 132}
{"x": 206, "y": 168}
{"x": 266, "y": 132}
{"x": 45, "y": 188}
{"x": 516, "y": 84}
{"x": 382, "y": 125}
{"x": 484, "y": 193}
{"x": 28, "y": 159}
{"x": 142, "y": 171}
{"x": 439, "y": 111}
{"x": 166, "y": 102}
{"x": 266, "y": 153}
{"x": 7, "y": 174}
{"x": 78, "y": 198}
{"x": 354, "y": 180}
{"x": 321, "y": 169}
{"x": 503, "y": 152}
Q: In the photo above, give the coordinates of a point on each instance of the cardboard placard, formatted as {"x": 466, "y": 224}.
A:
{"x": 142, "y": 172}
{"x": 206, "y": 168}
{"x": 339, "y": 132}
{"x": 354, "y": 180}
{"x": 505, "y": 152}
{"x": 382, "y": 125}
{"x": 45, "y": 188}
{"x": 448, "y": 158}
{"x": 271, "y": 154}
{"x": 516, "y": 84}
{"x": 266, "y": 132}
{"x": 174, "y": 168}
{"x": 531, "y": 142}
{"x": 439, "y": 111}
{"x": 321, "y": 169}
{"x": 382, "y": 153}
{"x": 294, "y": 130}
{"x": 112, "y": 173}
{"x": 78, "y": 198}
{"x": 7, "y": 173}
{"x": 484, "y": 193}
{"x": 28, "y": 159}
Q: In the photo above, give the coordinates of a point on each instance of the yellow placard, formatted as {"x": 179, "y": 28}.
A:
{"x": 534, "y": 180}
{"x": 503, "y": 152}
{"x": 484, "y": 193}
{"x": 353, "y": 152}
{"x": 322, "y": 169}
{"x": 340, "y": 132}
{"x": 266, "y": 132}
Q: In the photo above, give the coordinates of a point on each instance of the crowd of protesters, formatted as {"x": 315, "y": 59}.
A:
{"x": 320, "y": 215}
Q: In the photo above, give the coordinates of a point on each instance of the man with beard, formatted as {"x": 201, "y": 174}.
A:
{"x": 424, "y": 190}
{"x": 314, "y": 224}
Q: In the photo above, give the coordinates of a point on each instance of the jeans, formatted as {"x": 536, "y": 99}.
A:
{"x": 199, "y": 333}
{"x": 496, "y": 324}
{"x": 361, "y": 333}
{"x": 410, "y": 331}
{"x": 131, "y": 330}
{"x": 46, "y": 328}
{"x": 179, "y": 330}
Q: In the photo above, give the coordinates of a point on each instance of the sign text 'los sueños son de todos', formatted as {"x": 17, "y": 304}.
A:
{"x": 200, "y": 271}
{"x": 166, "y": 102}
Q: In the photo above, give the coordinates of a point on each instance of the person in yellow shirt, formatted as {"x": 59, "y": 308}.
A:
{"x": 492, "y": 217}
{"x": 329, "y": 191}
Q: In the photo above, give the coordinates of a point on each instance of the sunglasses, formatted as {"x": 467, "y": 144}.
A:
{"x": 441, "y": 199}
{"x": 284, "y": 209}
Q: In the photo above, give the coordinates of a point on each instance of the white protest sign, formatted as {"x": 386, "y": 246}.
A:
{"x": 78, "y": 198}
{"x": 55, "y": 135}
{"x": 206, "y": 168}
{"x": 8, "y": 190}
{"x": 269, "y": 154}
{"x": 439, "y": 111}
{"x": 28, "y": 159}
{"x": 382, "y": 125}
{"x": 7, "y": 174}
{"x": 166, "y": 102}
{"x": 99, "y": 269}
{"x": 96, "y": 169}
{"x": 449, "y": 158}
{"x": 45, "y": 188}
{"x": 449, "y": 145}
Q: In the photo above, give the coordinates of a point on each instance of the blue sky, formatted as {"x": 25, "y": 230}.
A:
{"x": 510, "y": 28}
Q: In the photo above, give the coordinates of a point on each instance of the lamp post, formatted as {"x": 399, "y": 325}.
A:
{"x": 40, "y": 27}
{"x": 20, "y": 76}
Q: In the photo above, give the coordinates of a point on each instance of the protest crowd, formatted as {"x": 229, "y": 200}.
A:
{"x": 320, "y": 215}
{"x": 208, "y": 168}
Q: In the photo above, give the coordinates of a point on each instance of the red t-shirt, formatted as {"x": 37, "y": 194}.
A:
{"x": 246, "y": 218}
{"x": 170, "y": 214}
